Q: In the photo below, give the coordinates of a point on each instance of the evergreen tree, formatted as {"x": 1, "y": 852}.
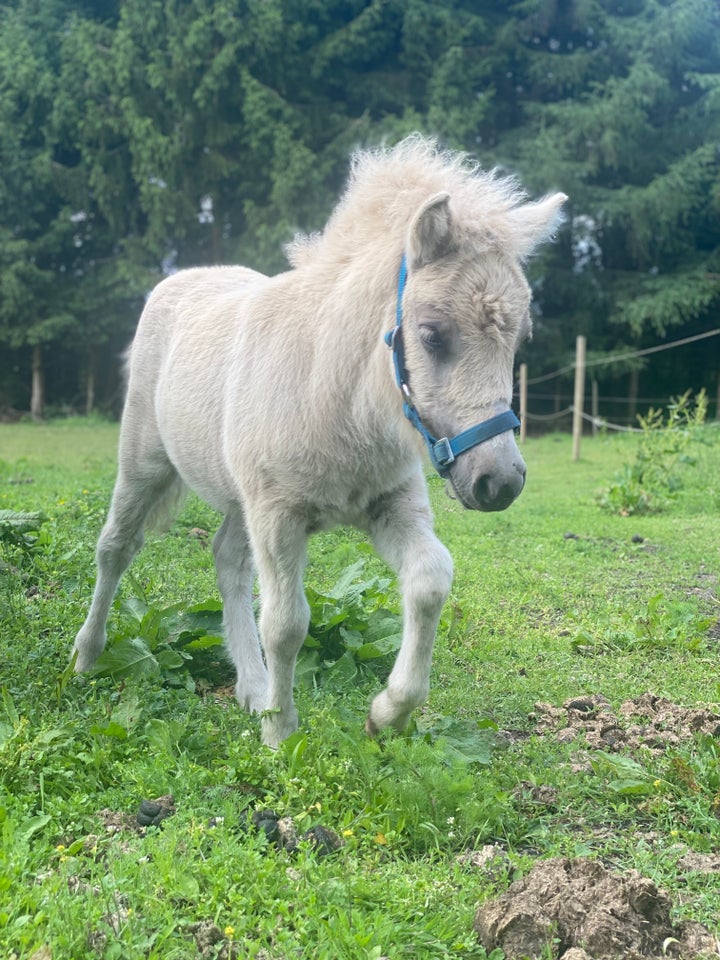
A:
{"x": 620, "y": 106}
{"x": 36, "y": 246}
{"x": 140, "y": 137}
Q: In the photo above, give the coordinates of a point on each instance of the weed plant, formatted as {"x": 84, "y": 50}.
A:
{"x": 652, "y": 480}
{"x": 552, "y": 599}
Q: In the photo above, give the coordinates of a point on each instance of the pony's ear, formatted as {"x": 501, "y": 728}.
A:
{"x": 533, "y": 223}
{"x": 430, "y": 231}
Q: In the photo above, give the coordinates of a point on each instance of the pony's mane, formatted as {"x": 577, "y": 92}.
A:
{"x": 386, "y": 187}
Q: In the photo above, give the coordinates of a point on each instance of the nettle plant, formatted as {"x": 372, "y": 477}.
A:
{"x": 653, "y": 479}
{"x": 24, "y": 543}
{"x": 352, "y": 624}
{"x": 180, "y": 645}
{"x": 21, "y": 534}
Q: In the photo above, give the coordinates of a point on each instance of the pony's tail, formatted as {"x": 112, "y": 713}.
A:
{"x": 166, "y": 508}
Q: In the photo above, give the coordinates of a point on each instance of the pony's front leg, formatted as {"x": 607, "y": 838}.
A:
{"x": 279, "y": 546}
{"x": 402, "y": 530}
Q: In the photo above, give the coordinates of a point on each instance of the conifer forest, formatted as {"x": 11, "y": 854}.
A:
{"x": 138, "y": 137}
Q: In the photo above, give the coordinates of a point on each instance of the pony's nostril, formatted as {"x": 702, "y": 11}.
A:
{"x": 482, "y": 489}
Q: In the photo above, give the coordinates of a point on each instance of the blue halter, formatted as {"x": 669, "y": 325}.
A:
{"x": 443, "y": 452}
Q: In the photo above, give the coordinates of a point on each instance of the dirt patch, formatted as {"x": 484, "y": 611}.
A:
{"x": 647, "y": 721}
{"x": 692, "y": 862}
{"x": 577, "y": 910}
{"x": 212, "y": 942}
{"x": 491, "y": 860}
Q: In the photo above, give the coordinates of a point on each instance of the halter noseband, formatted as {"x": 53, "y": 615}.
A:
{"x": 443, "y": 452}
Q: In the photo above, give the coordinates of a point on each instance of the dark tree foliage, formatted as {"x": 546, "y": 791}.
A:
{"x": 140, "y": 137}
{"x": 620, "y": 104}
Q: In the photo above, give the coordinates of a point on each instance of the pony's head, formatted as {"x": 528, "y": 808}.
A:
{"x": 465, "y": 311}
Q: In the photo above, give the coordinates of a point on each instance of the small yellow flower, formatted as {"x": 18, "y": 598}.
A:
{"x": 229, "y": 931}
{"x": 60, "y": 847}
{"x": 657, "y": 784}
{"x": 674, "y": 833}
{"x": 347, "y": 833}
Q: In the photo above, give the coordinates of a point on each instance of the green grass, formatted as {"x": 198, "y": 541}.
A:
{"x": 535, "y": 615}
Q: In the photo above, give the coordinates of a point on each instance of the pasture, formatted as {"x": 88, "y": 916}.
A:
{"x": 552, "y": 600}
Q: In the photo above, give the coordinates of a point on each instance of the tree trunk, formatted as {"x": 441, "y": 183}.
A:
{"x": 90, "y": 382}
{"x": 37, "y": 397}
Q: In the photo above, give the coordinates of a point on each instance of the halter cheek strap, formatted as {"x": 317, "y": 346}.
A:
{"x": 444, "y": 451}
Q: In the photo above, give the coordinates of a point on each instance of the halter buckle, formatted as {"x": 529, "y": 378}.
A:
{"x": 442, "y": 452}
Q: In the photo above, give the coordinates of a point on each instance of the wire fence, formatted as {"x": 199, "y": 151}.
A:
{"x": 599, "y": 423}
{"x": 630, "y": 355}
{"x": 563, "y": 409}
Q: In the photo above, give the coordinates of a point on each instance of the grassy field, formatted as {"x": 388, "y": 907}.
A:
{"x": 553, "y": 599}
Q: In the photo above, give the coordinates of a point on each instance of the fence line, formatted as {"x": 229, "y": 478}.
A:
{"x": 576, "y": 408}
{"x": 551, "y": 376}
{"x": 550, "y": 416}
{"x": 607, "y": 398}
{"x": 603, "y": 424}
{"x": 600, "y": 422}
{"x": 625, "y": 356}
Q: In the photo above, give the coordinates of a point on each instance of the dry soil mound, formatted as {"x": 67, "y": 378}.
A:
{"x": 578, "y": 910}
{"x": 649, "y": 721}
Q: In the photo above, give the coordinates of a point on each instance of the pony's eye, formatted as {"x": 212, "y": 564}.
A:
{"x": 432, "y": 339}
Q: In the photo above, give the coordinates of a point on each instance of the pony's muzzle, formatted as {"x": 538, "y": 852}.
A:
{"x": 489, "y": 477}
{"x": 496, "y": 491}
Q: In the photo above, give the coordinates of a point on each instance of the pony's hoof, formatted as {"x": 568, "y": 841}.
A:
{"x": 87, "y": 648}
{"x": 277, "y": 727}
{"x": 82, "y": 662}
{"x": 370, "y": 729}
{"x": 252, "y": 699}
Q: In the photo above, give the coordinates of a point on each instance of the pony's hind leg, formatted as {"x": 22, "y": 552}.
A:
{"x": 401, "y": 527}
{"x": 136, "y": 501}
{"x": 279, "y": 542}
{"x": 235, "y": 574}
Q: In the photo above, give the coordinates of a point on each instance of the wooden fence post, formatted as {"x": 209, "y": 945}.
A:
{"x": 595, "y": 407}
{"x": 580, "y": 344}
{"x": 523, "y": 402}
